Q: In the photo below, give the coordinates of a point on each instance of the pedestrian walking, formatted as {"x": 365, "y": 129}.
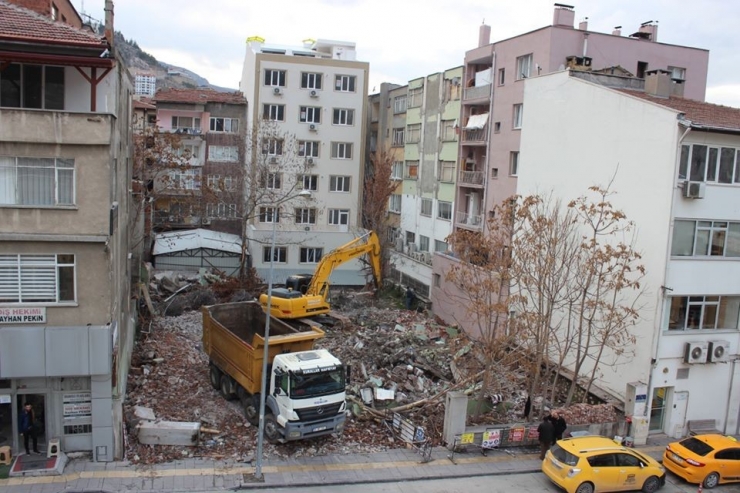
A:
{"x": 559, "y": 424}
{"x": 29, "y": 428}
{"x": 546, "y": 432}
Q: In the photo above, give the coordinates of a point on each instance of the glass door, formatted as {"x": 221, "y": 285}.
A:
{"x": 657, "y": 410}
{"x": 38, "y": 404}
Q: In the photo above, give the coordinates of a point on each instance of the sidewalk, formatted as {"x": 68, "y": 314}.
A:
{"x": 194, "y": 475}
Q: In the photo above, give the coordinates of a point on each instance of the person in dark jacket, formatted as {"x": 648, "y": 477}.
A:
{"x": 28, "y": 428}
{"x": 546, "y": 432}
{"x": 558, "y": 422}
{"x": 410, "y": 297}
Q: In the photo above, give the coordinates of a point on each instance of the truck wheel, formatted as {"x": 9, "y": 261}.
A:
{"x": 252, "y": 410}
{"x": 226, "y": 388}
{"x": 271, "y": 429}
{"x": 215, "y": 377}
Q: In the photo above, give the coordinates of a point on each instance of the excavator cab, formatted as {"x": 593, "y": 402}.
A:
{"x": 298, "y": 282}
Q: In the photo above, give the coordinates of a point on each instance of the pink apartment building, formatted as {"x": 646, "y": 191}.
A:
{"x": 493, "y": 113}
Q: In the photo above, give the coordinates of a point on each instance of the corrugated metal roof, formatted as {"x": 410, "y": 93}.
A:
{"x": 193, "y": 239}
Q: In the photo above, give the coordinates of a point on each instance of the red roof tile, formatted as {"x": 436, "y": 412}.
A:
{"x": 198, "y": 96}
{"x": 19, "y": 24}
{"x": 144, "y": 104}
{"x": 698, "y": 112}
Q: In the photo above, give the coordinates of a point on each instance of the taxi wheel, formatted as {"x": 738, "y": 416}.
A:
{"x": 652, "y": 484}
{"x": 711, "y": 480}
{"x": 585, "y": 488}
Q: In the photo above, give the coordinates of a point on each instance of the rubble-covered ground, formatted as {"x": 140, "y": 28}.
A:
{"x": 403, "y": 352}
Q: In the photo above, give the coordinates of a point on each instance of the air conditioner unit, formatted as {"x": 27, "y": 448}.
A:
{"x": 273, "y": 160}
{"x": 313, "y": 127}
{"x": 693, "y": 189}
{"x": 314, "y": 93}
{"x": 696, "y": 352}
{"x": 206, "y": 222}
{"x": 719, "y": 351}
{"x": 310, "y": 161}
{"x": 277, "y": 91}
{"x": 307, "y": 228}
{"x": 427, "y": 258}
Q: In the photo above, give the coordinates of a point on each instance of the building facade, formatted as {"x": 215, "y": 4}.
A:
{"x": 493, "y": 114}
{"x": 66, "y": 317}
{"x": 145, "y": 84}
{"x": 306, "y": 132}
{"x": 673, "y": 163}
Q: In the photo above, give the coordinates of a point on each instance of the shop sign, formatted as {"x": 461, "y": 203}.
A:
{"x": 29, "y": 315}
{"x": 77, "y": 405}
{"x": 5, "y": 399}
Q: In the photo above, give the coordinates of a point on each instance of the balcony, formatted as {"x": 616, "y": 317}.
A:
{"x": 469, "y": 221}
{"x": 186, "y": 130}
{"x": 474, "y": 135}
{"x": 470, "y": 178}
{"x": 477, "y": 92}
{"x": 54, "y": 127}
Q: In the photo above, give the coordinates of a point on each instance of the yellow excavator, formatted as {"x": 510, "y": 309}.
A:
{"x": 306, "y": 295}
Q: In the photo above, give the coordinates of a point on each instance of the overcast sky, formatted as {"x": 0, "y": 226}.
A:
{"x": 405, "y": 39}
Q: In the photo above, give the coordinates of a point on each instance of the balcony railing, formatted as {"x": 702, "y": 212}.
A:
{"x": 469, "y": 220}
{"x": 471, "y": 177}
{"x": 474, "y": 135}
{"x": 478, "y": 92}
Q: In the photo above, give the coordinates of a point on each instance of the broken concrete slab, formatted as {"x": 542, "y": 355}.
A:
{"x": 145, "y": 413}
{"x": 168, "y": 433}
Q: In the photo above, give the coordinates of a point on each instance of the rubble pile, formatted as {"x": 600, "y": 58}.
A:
{"x": 584, "y": 414}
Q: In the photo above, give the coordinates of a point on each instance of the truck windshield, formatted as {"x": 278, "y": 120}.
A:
{"x": 315, "y": 384}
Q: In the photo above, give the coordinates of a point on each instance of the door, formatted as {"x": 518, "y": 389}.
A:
{"x": 728, "y": 463}
{"x": 38, "y": 404}
{"x": 631, "y": 476}
{"x": 678, "y": 414}
{"x": 6, "y": 419}
{"x": 605, "y": 472}
{"x": 657, "y": 410}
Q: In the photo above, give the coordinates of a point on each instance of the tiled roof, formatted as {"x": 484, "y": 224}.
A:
{"x": 19, "y": 24}
{"x": 144, "y": 104}
{"x": 698, "y": 112}
{"x": 198, "y": 96}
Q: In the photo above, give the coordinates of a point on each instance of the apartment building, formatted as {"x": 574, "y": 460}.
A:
{"x": 66, "y": 319}
{"x": 202, "y": 186}
{"x": 674, "y": 164}
{"x": 306, "y": 129}
{"x": 145, "y": 84}
{"x": 493, "y": 114}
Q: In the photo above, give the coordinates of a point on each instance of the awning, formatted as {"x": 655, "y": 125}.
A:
{"x": 477, "y": 121}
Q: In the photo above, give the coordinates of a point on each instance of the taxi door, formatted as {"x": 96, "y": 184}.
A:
{"x": 728, "y": 463}
{"x": 631, "y": 474}
{"x": 604, "y": 472}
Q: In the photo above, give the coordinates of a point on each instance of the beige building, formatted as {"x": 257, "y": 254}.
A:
{"x": 66, "y": 320}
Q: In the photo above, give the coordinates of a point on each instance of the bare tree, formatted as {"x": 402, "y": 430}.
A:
{"x": 378, "y": 188}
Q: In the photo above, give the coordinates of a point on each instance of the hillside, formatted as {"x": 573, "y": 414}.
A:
{"x": 137, "y": 59}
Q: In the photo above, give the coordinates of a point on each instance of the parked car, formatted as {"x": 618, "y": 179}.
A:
{"x": 707, "y": 459}
{"x": 594, "y": 463}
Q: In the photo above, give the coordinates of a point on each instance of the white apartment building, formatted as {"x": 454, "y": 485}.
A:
{"x": 675, "y": 165}
{"x": 145, "y": 85}
{"x": 314, "y": 96}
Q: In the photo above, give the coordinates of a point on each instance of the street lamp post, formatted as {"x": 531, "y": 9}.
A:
{"x": 266, "y": 353}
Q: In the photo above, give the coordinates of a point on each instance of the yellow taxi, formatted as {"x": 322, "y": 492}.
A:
{"x": 707, "y": 459}
{"x": 593, "y": 463}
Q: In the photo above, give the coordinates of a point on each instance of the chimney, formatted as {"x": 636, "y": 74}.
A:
{"x": 109, "y": 21}
{"x": 564, "y": 15}
{"x": 658, "y": 83}
{"x": 677, "y": 86}
{"x": 617, "y": 31}
{"x": 649, "y": 31}
{"x": 583, "y": 25}
{"x": 484, "y": 35}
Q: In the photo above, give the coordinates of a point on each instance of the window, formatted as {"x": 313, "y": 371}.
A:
{"x": 308, "y": 148}
{"x": 187, "y": 151}
{"x": 523, "y": 67}
{"x": 426, "y": 207}
{"x": 341, "y": 150}
{"x": 711, "y": 164}
{"x": 423, "y": 243}
{"x": 344, "y": 83}
{"x": 440, "y": 246}
{"x": 37, "y": 278}
{"x": 272, "y": 147}
{"x": 452, "y": 89}
{"x": 603, "y": 460}
{"x": 447, "y": 171}
{"x": 226, "y": 154}
{"x": 415, "y": 97}
{"x": 410, "y": 237}
{"x": 37, "y": 181}
{"x": 413, "y": 133}
{"x": 501, "y": 76}
{"x": 272, "y": 181}
{"x": 398, "y": 136}
{"x": 677, "y": 73}
{"x": 311, "y": 255}
{"x": 448, "y": 130}
{"x": 397, "y": 170}
{"x": 344, "y": 116}
{"x": 628, "y": 460}
{"x": 412, "y": 170}
{"x": 339, "y": 183}
{"x": 269, "y": 215}
{"x": 224, "y": 125}
{"x": 273, "y": 112}
{"x": 54, "y": 12}
{"x": 32, "y": 86}
{"x": 437, "y": 280}
{"x": 703, "y": 312}
{"x": 185, "y": 123}
{"x": 229, "y": 183}
{"x": 518, "y": 110}
{"x": 444, "y": 210}
{"x": 494, "y": 172}
{"x": 275, "y": 77}
{"x": 185, "y": 179}
{"x": 310, "y": 114}
{"x": 394, "y": 203}
{"x": 514, "y": 163}
{"x": 339, "y": 217}
{"x": 496, "y": 127}
{"x": 705, "y": 238}
{"x": 305, "y": 216}
{"x": 213, "y": 182}
{"x": 221, "y": 210}
{"x": 280, "y": 254}
{"x": 311, "y": 80}
{"x": 399, "y": 104}
{"x": 308, "y": 182}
